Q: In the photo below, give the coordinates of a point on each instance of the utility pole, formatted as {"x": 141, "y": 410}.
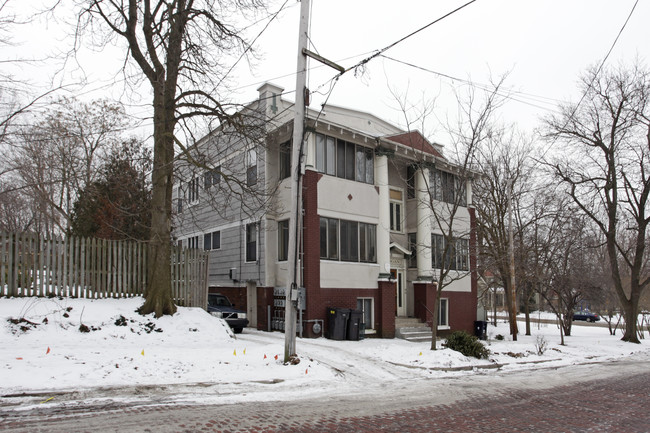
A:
{"x": 511, "y": 254}
{"x": 293, "y": 282}
{"x": 295, "y": 219}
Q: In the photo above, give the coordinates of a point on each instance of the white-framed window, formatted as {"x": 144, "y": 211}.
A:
{"x": 413, "y": 248}
{"x": 193, "y": 242}
{"x": 443, "y": 312}
{"x": 329, "y": 238}
{"x": 411, "y": 171}
{"x": 283, "y": 240}
{"x": 454, "y": 256}
{"x": 348, "y": 241}
{"x": 285, "y": 160}
{"x": 344, "y": 159}
{"x": 212, "y": 177}
{"x": 193, "y": 190}
{"x": 251, "y": 242}
{"x": 251, "y": 168}
{"x": 365, "y": 305}
{"x": 447, "y": 187}
{"x": 396, "y": 210}
{"x": 212, "y": 241}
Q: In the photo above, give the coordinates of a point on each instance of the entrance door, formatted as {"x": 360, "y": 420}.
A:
{"x": 400, "y": 292}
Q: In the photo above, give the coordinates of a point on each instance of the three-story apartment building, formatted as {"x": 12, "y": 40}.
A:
{"x": 376, "y": 205}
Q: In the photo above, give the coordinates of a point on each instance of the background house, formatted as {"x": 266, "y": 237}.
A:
{"x": 375, "y": 199}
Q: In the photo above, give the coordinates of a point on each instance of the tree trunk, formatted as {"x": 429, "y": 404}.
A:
{"x": 158, "y": 293}
{"x": 527, "y": 311}
{"x": 512, "y": 312}
{"x": 566, "y": 324}
{"x": 630, "y": 310}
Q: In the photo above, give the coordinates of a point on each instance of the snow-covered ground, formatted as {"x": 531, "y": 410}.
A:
{"x": 44, "y": 350}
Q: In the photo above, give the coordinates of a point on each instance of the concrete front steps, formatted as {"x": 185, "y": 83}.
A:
{"x": 412, "y": 329}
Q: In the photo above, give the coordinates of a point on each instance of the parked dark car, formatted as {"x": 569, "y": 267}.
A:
{"x": 220, "y": 306}
{"x": 586, "y": 315}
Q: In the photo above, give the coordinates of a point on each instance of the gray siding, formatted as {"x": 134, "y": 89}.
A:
{"x": 226, "y": 207}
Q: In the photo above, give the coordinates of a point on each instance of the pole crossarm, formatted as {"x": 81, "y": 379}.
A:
{"x": 323, "y": 60}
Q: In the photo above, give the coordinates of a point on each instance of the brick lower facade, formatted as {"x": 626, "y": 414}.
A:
{"x": 462, "y": 305}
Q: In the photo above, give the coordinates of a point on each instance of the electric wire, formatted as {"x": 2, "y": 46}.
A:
{"x": 334, "y": 80}
{"x": 589, "y": 86}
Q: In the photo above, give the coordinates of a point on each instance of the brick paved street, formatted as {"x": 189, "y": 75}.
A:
{"x": 587, "y": 398}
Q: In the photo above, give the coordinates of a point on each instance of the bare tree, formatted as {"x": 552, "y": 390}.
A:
{"x": 560, "y": 259}
{"x": 54, "y": 159}
{"x": 605, "y": 170}
{"x": 444, "y": 192}
{"x": 505, "y": 166}
{"x": 180, "y": 47}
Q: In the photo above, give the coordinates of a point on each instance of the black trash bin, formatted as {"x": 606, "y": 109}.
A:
{"x": 480, "y": 329}
{"x": 354, "y": 325}
{"x": 337, "y": 323}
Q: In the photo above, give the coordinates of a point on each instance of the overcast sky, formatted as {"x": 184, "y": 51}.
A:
{"x": 544, "y": 45}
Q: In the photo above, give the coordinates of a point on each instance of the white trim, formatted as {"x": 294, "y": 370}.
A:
{"x": 400, "y": 248}
{"x": 372, "y": 310}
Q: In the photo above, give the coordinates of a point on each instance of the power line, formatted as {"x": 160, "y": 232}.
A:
{"x": 591, "y": 82}
{"x": 334, "y": 80}
{"x": 388, "y": 47}
{"x": 537, "y": 98}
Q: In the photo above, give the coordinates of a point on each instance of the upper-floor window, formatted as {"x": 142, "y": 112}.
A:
{"x": 283, "y": 240}
{"x": 344, "y": 159}
{"x": 447, "y": 187}
{"x": 350, "y": 241}
{"x": 251, "y": 168}
{"x": 212, "y": 241}
{"x": 193, "y": 190}
{"x": 411, "y": 171}
{"x": 212, "y": 177}
{"x": 454, "y": 256}
{"x": 396, "y": 213}
{"x": 251, "y": 242}
{"x": 285, "y": 160}
{"x": 413, "y": 259}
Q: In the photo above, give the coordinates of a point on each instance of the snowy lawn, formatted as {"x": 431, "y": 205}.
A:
{"x": 72, "y": 344}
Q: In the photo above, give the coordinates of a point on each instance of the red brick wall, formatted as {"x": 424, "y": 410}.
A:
{"x": 311, "y": 246}
{"x": 462, "y": 311}
{"x": 343, "y": 298}
{"x": 385, "y": 309}
{"x": 264, "y": 300}
{"x": 423, "y": 295}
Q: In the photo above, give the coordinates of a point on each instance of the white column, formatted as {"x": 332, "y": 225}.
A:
{"x": 383, "y": 228}
{"x": 425, "y": 224}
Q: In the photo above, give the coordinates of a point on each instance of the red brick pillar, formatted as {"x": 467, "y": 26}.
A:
{"x": 311, "y": 246}
{"x": 423, "y": 296}
{"x": 264, "y": 300}
{"x": 386, "y": 308}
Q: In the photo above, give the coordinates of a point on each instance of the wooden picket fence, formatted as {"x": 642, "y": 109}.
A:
{"x": 31, "y": 265}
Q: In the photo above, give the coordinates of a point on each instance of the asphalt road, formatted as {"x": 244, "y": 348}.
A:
{"x": 602, "y": 397}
